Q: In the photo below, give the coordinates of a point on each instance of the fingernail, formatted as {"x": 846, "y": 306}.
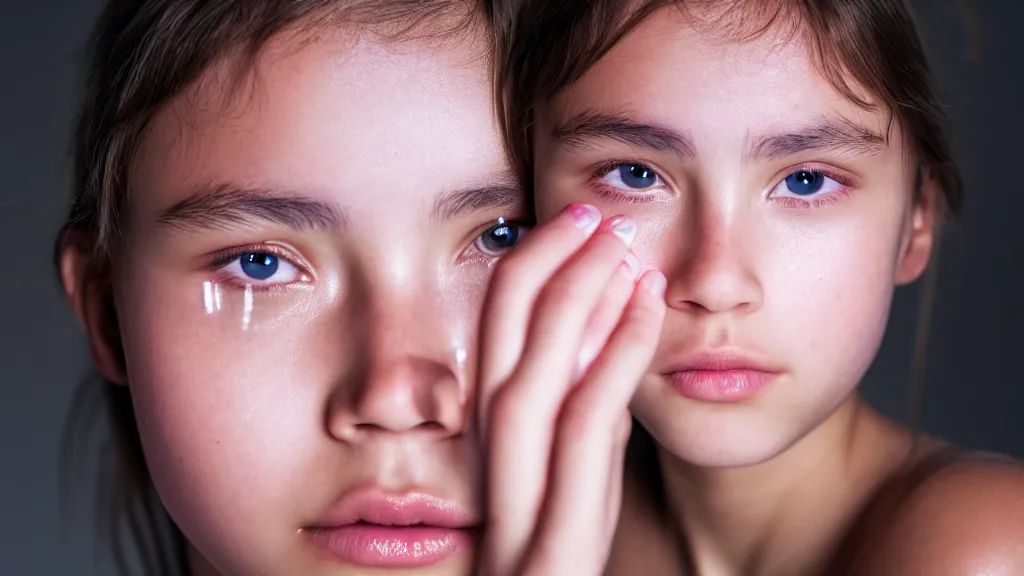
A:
{"x": 655, "y": 282}
{"x": 624, "y": 228}
{"x": 584, "y": 215}
{"x": 633, "y": 263}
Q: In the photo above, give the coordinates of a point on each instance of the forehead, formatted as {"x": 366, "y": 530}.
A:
{"x": 706, "y": 79}
{"x": 358, "y": 122}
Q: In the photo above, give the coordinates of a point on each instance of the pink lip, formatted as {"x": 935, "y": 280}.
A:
{"x": 719, "y": 377}
{"x": 384, "y": 529}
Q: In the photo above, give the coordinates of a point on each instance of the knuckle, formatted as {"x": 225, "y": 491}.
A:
{"x": 641, "y": 326}
{"x": 503, "y": 404}
{"x": 508, "y": 406}
{"x": 581, "y": 418}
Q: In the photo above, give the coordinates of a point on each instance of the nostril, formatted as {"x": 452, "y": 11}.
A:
{"x": 400, "y": 395}
{"x": 374, "y": 428}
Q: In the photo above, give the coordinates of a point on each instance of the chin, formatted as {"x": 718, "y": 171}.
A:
{"x": 725, "y": 447}
{"x": 710, "y": 435}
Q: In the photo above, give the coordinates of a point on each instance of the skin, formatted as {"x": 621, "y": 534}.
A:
{"x": 569, "y": 333}
{"x": 770, "y": 484}
{"x": 352, "y": 371}
{"x": 261, "y": 400}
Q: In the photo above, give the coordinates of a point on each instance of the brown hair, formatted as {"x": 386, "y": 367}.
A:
{"x": 869, "y": 50}
{"x": 142, "y": 54}
{"x": 869, "y": 45}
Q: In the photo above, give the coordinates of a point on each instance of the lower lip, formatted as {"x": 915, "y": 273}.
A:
{"x": 720, "y": 385}
{"x": 392, "y": 546}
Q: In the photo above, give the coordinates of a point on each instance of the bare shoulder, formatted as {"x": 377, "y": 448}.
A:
{"x": 965, "y": 517}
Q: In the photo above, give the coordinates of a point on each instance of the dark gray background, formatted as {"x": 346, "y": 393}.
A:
{"x": 974, "y": 393}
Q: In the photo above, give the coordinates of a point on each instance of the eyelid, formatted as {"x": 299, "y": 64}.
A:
{"x": 527, "y": 222}
{"x": 222, "y": 258}
{"x": 811, "y": 201}
{"x": 641, "y": 196}
{"x": 474, "y": 237}
{"x": 840, "y": 176}
{"x": 605, "y": 168}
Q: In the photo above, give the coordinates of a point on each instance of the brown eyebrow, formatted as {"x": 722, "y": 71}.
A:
{"x": 502, "y": 193}
{"x": 594, "y": 124}
{"x": 230, "y": 205}
{"x": 825, "y": 133}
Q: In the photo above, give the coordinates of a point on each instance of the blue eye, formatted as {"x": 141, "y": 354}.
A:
{"x": 637, "y": 176}
{"x": 807, "y": 186}
{"x": 500, "y": 237}
{"x": 259, "y": 265}
{"x": 632, "y": 176}
{"x": 805, "y": 182}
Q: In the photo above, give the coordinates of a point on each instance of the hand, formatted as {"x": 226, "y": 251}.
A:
{"x": 568, "y": 333}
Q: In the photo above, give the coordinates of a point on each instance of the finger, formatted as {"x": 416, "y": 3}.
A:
{"x": 617, "y": 472}
{"x": 517, "y": 280}
{"x": 577, "y": 526}
{"x": 589, "y": 442}
{"x": 524, "y": 410}
{"x": 572, "y": 535}
{"x": 616, "y": 372}
{"x": 566, "y": 305}
{"x": 606, "y": 316}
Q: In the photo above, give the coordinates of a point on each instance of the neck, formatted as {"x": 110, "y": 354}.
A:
{"x": 786, "y": 515}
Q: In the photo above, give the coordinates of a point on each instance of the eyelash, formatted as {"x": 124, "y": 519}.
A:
{"x": 220, "y": 260}
{"x": 479, "y": 257}
{"x": 223, "y": 258}
{"x": 642, "y": 197}
{"x": 825, "y": 201}
{"x": 616, "y": 195}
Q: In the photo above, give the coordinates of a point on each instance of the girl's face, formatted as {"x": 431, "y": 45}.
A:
{"x": 782, "y": 214}
{"x": 297, "y": 292}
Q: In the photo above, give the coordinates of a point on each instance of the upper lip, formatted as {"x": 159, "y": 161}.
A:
{"x": 387, "y": 508}
{"x": 718, "y": 361}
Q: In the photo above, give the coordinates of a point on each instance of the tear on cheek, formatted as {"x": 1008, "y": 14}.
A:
{"x": 212, "y": 301}
{"x": 247, "y": 308}
{"x": 223, "y": 306}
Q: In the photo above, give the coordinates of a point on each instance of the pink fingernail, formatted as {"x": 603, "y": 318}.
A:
{"x": 655, "y": 282}
{"x": 633, "y": 263}
{"x": 624, "y": 228}
{"x": 584, "y": 215}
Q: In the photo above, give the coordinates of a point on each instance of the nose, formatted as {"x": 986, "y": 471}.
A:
{"x": 713, "y": 273}
{"x": 407, "y": 378}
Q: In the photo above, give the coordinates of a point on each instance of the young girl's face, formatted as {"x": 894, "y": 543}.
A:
{"x": 305, "y": 256}
{"x": 781, "y": 213}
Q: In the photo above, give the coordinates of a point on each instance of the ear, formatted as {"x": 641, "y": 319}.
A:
{"x": 919, "y": 237}
{"x": 89, "y": 293}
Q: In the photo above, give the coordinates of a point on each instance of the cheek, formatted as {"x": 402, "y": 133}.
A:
{"x": 463, "y": 289}
{"x": 221, "y": 394}
{"x": 659, "y": 227}
{"x": 828, "y": 289}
